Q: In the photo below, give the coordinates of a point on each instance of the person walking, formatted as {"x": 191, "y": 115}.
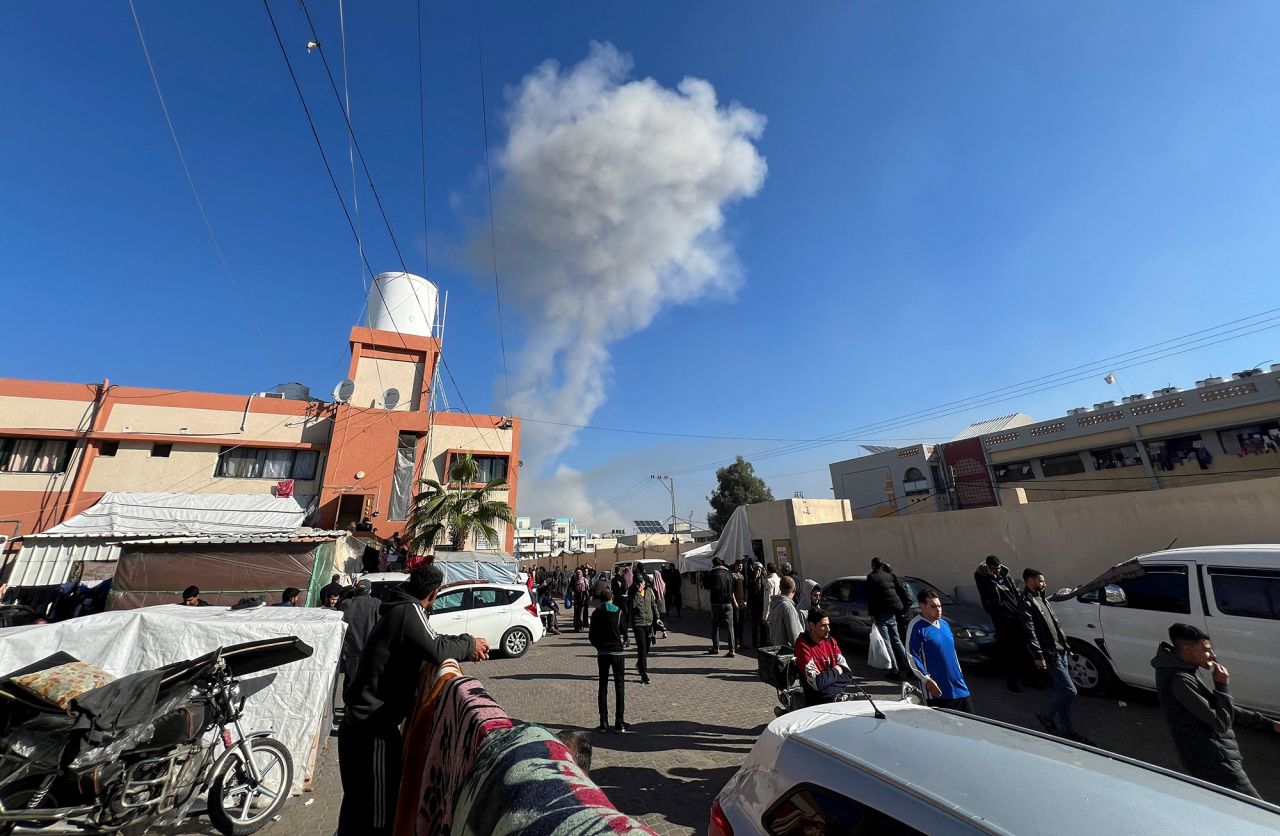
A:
{"x": 719, "y": 585}
{"x": 605, "y": 634}
{"x": 579, "y": 589}
{"x": 933, "y": 657}
{"x": 644, "y": 615}
{"x": 660, "y": 598}
{"x": 1047, "y": 645}
{"x": 785, "y": 624}
{"x": 757, "y": 606}
{"x": 1201, "y": 720}
{"x": 379, "y": 697}
{"x": 887, "y": 601}
{"x": 1000, "y": 598}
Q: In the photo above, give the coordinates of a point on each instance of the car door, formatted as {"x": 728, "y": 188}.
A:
{"x": 1132, "y": 630}
{"x": 1244, "y": 622}
{"x": 845, "y": 601}
{"x": 449, "y": 612}
{"x": 489, "y": 615}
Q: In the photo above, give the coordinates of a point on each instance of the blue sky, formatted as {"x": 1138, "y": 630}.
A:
{"x": 958, "y": 198}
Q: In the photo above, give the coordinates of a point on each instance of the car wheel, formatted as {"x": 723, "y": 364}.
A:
{"x": 515, "y": 642}
{"x": 1090, "y": 670}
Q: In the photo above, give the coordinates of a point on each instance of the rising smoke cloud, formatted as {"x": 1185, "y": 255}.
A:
{"x": 609, "y": 208}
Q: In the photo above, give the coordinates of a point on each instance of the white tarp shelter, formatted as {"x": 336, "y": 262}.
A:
{"x": 94, "y": 535}
{"x": 495, "y": 566}
{"x": 734, "y": 544}
{"x": 298, "y": 706}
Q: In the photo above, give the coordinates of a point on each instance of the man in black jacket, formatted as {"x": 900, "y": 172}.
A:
{"x": 379, "y": 697}
{"x": 887, "y": 601}
{"x": 719, "y": 583}
{"x": 1000, "y": 599}
{"x": 1047, "y": 645}
{"x": 1200, "y": 719}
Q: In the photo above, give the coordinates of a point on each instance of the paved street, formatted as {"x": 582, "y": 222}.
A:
{"x": 700, "y": 716}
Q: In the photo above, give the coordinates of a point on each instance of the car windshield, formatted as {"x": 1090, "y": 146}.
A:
{"x": 915, "y": 585}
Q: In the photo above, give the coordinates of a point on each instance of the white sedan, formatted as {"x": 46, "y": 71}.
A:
{"x": 840, "y": 769}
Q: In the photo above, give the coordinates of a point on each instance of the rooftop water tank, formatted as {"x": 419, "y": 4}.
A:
{"x": 293, "y": 391}
{"x": 403, "y": 302}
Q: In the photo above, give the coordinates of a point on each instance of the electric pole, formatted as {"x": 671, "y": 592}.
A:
{"x": 670, "y": 485}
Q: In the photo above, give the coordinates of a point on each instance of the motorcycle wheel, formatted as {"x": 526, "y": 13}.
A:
{"x": 238, "y": 806}
{"x": 16, "y": 797}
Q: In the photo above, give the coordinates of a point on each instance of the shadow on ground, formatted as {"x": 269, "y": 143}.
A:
{"x": 682, "y": 798}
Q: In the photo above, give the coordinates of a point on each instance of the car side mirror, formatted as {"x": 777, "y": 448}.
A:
{"x": 1115, "y": 595}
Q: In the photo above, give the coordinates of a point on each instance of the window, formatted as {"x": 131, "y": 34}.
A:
{"x": 161, "y": 451}
{"x": 402, "y": 479}
{"x": 1244, "y": 441}
{"x": 493, "y": 467}
{"x": 1062, "y": 465}
{"x": 809, "y": 808}
{"x": 250, "y": 463}
{"x": 1116, "y": 457}
{"x": 1160, "y": 589}
{"x": 34, "y": 455}
{"x": 1013, "y": 472}
{"x": 913, "y": 482}
{"x": 1168, "y": 454}
{"x": 846, "y": 592}
{"x": 108, "y": 448}
{"x": 485, "y": 597}
{"x": 450, "y": 602}
{"x": 1250, "y": 593}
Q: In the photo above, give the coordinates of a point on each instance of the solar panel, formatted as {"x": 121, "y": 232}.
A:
{"x": 649, "y": 526}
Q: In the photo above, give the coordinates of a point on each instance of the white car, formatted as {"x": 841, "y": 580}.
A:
{"x": 1116, "y": 621}
{"x": 503, "y": 614}
{"x": 839, "y": 769}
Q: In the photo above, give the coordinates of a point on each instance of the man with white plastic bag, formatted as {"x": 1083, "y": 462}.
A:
{"x": 878, "y": 655}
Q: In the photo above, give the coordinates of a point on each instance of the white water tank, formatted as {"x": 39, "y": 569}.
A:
{"x": 403, "y": 302}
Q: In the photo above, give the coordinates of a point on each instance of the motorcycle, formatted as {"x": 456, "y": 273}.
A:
{"x": 135, "y": 753}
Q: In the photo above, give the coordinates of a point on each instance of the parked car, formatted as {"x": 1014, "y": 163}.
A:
{"x": 845, "y": 600}
{"x": 503, "y": 614}
{"x": 651, "y": 565}
{"x": 1116, "y": 621}
{"x": 839, "y": 769}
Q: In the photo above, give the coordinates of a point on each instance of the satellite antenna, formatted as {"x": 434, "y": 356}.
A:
{"x": 390, "y": 398}
{"x": 344, "y": 390}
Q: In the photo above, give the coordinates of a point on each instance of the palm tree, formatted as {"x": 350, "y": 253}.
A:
{"x": 457, "y": 507}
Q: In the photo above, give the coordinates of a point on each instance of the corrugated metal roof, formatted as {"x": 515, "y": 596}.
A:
{"x": 302, "y": 535}
{"x": 992, "y": 425}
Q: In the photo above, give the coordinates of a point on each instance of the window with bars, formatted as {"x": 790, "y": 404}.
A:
{"x": 270, "y": 463}
{"x": 34, "y": 455}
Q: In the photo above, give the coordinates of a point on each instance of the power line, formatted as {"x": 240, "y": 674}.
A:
{"x": 493, "y": 231}
{"x": 195, "y": 193}
{"x": 697, "y": 435}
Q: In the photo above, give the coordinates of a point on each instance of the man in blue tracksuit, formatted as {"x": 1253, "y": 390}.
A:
{"x": 932, "y": 649}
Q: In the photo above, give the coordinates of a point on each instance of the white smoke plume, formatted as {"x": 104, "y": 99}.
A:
{"x": 610, "y": 204}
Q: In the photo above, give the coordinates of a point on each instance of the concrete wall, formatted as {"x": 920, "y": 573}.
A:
{"x": 376, "y": 375}
{"x": 1071, "y": 541}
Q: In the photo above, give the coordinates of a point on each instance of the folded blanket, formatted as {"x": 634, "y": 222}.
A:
{"x": 524, "y": 781}
{"x": 440, "y": 750}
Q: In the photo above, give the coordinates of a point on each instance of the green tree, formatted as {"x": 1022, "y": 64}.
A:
{"x": 736, "y": 485}
{"x": 459, "y": 508}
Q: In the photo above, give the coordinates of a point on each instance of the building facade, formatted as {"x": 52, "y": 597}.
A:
{"x": 63, "y": 445}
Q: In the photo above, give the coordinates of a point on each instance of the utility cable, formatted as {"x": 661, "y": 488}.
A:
{"x": 195, "y": 193}
{"x": 493, "y": 231}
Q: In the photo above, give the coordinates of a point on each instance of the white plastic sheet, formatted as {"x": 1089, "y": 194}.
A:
{"x": 297, "y": 708}
{"x": 734, "y": 544}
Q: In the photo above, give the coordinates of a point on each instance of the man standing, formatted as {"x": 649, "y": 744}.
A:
{"x": 379, "y": 697}
{"x": 579, "y": 600}
{"x": 606, "y": 637}
{"x": 999, "y": 596}
{"x": 933, "y": 656}
{"x": 621, "y": 590}
{"x": 290, "y": 597}
{"x": 1201, "y": 719}
{"x": 739, "y": 604}
{"x": 1047, "y": 645}
{"x": 757, "y": 607}
{"x": 719, "y": 585}
{"x": 191, "y": 597}
{"x": 675, "y": 596}
{"x": 771, "y": 587}
{"x": 331, "y": 588}
{"x": 887, "y": 601}
{"x": 784, "y": 623}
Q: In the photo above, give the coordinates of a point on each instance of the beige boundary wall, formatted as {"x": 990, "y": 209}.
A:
{"x": 1070, "y": 540}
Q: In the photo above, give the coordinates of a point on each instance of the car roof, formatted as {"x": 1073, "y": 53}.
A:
{"x": 384, "y": 577}
{"x": 1250, "y": 554}
{"x": 951, "y": 758}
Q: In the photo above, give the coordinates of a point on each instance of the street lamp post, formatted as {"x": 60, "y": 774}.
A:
{"x": 670, "y": 485}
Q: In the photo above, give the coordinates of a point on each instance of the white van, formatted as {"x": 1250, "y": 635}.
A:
{"x": 1116, "y": 621}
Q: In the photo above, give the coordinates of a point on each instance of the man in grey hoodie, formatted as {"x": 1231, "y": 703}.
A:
{"x": 1201, "y": 719}
{"x": 784, "y": 619}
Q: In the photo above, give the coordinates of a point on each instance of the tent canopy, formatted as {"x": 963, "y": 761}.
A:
{"x": 126, "y": 514}
{"x": 496, "y": 566}
{"x": 734, "y": 543}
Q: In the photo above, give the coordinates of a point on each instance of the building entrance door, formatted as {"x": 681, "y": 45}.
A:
{"x": 351, "y": 509}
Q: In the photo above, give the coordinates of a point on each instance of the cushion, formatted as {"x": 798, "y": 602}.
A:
{"x": 64, "y": 683}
